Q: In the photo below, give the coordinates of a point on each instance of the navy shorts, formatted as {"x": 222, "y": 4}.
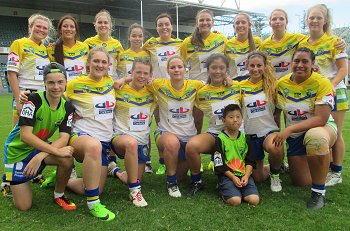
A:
{"x": 182, "y": 150}
{"x": 227, "y": 188}
{"x": 14, "y": 172}
{"x": 295, "y": 146}
{"x": 142, "y": 153}
{"x": 257, "y": 144}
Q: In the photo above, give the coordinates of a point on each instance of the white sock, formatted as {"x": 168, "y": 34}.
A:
{"x": 58, "y": 195}
{"x": 91, "y": 203}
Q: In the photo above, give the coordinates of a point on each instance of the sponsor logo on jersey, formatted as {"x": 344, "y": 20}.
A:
{"x": 257, "y": 106}
{"x": 28, "y": 110}
{"x": 105, "y": 107}
{"x": 139, "y": 119}
{"x": 298, "y": 115}
{"x": 13, "y": 59}
{"x": 179, "y": 113}
{"x": 282, "y": 66}
{"x": 218, "y": 159}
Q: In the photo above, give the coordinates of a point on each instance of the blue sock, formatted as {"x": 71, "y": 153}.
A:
{"x": 274, "y": 171}
{"x": 320, "y": 188}
{"x": 171, "y": 179}
{"x": 161, "y": 160}
{"x": 117, "y": 169}
{"x": 112, "y": 158}
{"x": 196, "y": 177}
{"x": 134, "y": 185}
{"x": 336, "y": 168}
{"x": 92, "y": 196}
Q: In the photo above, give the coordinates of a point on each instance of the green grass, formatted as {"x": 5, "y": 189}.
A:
{"x": 278, "y": 211}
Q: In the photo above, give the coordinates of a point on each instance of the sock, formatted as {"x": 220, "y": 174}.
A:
{"x": 161, "y": 160}
{"x": 274, "y": 171}
{"x": 171, "y": 179}
{"x": 117, "y": 169}
{"x": 148, "y": 162}
{"x": 135, "y": 185}
{"x": 92, "y": 196}
{"x": 112, "y": 158}
{"x": 57, "y": 195}
{"x": 196, "y": 178}
{"x": 336, "y": 168}
{"x": 319, "y": 188}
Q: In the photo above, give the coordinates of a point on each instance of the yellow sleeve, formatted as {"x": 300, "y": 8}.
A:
{"x": 50, "y": 52}
{"x": 15, "y": 56}
{"x": 183, "y": 49}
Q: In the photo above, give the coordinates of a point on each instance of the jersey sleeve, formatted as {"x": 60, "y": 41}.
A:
{"x": 325, "y": 93}
{"x": 27, "y": 116}
{"x": 66, "y": 125}
{"x": 14, "y": 57}
{"x": 50, "y": 52}
{"x": 183, "y": 49}
{"x": 220, "y": 166}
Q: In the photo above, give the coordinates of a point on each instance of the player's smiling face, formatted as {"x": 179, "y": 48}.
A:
{"x": 98, "y": 65}
{"x": 136, "y": 37}
{"x": 316, "y": 20}
{"x": 176, "y": 69}
{"x": 241, "y": 25}
{"x": 102, "y": 25}
{"x": 140, "y": 75}
{"x": 164, "y": 28}
{"x": 256, "y": 68}
{"x": 217, "y": 72}
{"x": 302, "y": 65}
{"x": 39, "y": 30}
{"x": 204, "y": 22}
{"x": 55, "y": 84}
{"x": 68, "y": 30}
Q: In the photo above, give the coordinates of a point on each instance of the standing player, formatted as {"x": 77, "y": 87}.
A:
{"x": 331, "y": 63}
{"x": 67, "y": 50}
{"x": 132, "y": 117}
{"x": 27, "y": 149}
{"x": 237, "y": 48}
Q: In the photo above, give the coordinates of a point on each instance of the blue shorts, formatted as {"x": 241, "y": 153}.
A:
{"x": 182, "y": 150}
{"x": 106, "y": 147}
{"x": 295, "y": 146}
{"x": 142, "y": 153}
{"x": 14, "y": 172}
{"x": 257, "y": 144}
{"x": 228, "y": 189}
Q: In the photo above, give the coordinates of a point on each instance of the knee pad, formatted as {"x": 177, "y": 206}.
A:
{"x": 316, "y": 142}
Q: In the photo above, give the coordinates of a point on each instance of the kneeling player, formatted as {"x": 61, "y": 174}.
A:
{"x": 27, "y": 150}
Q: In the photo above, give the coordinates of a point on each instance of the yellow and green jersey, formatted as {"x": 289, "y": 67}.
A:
{"x": 257, "y": 109}
{"x": 281, "y": 52}
{"x": 160, "y": 51}
{"x": 114, "y": 48}
{"x": 126, "y": 59}
{"x": 212, "y": 101}
{"x": 237, "y": 53}
{"x": 28, "y": 60}
{"x": 74, "y": 58}
{"x": 298, "y": 101}
{"x": 133, "y": 113}
{"x": 326, "y": 55}
{"x": 94, "y": 101}
{"x": 196, "y": 57}
{"x": 176, "y": 106}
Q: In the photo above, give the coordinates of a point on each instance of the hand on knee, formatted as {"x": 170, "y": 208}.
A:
{"x": 234, "y": 201}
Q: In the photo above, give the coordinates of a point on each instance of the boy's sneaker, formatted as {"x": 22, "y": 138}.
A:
{"x": 39, "y": 179}
{"x": 161, "y": 170}
{"x": 333, "y": 178}
{"x": 316, "y": 201}
{"x": 65, "y": 203}
{"x": 99, "y": 210}
{"x": 148, "y": 168}
{"x": 137, "y": 198}
{"x": 6, "y": 189}
{"x": 173, "y": 190}
{"x": 275, "y": 183}
{"x": 195, "y": 187}
{"x": 50, "y": 180}
{"x": 211, "y": 166}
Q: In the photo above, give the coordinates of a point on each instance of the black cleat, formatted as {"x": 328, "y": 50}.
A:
{"x": 195, "y": 187}
{"x": 316, "y": 201}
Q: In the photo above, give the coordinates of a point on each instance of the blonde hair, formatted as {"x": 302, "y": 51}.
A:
{"x": 326, "y": 14}
{"x": 92, "y": 52}
{"x": 174, "y": 57}
{"x": 280, "y": 10}
{"x": 34, "y": 17}
{"x": 268, "y": 78}
{"x": 196, "y": 35}
{"x": 108, "y": 16}
{"x": 252, "y": 46}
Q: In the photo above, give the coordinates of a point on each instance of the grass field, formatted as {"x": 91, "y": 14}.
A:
{"x": 277, "y": 211}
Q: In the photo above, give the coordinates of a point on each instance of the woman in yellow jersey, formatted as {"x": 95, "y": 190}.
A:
{"x": 306, "y": 99}
{"x": 103, "y": 26}
{"x": 92, "y": 96}
{"x": 127, "y": 57}
{"x": 281, "y": 45}
{"x": 132, "y": 117}
{"x": 162, "y": 47}
{"x": 237, "y": 48}
{"x": 160, "y": 50}
{"x": 27, "y": 59}
{"x": 258, "y": 107}
{"x": 197, "y": 48}
{"x": 67, "y": 50}
{"x": 331, "y": 63}
{"x": 211, "y": 99}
